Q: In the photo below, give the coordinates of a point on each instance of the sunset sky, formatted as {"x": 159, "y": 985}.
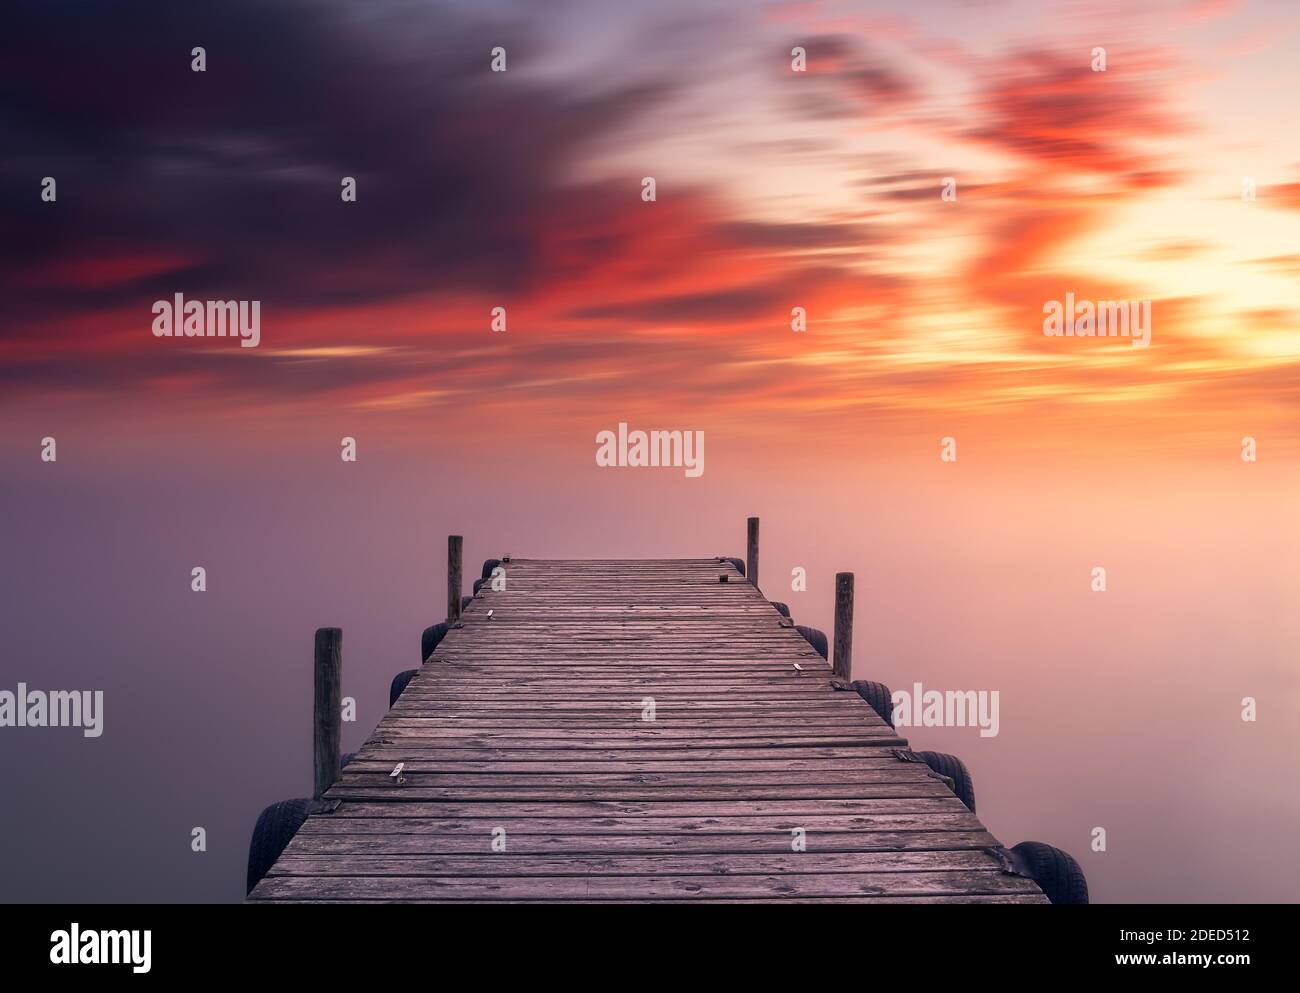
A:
{"x": 776, "y": 189}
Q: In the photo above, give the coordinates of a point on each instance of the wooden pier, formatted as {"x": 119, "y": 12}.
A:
{"x": 635, "y": 730}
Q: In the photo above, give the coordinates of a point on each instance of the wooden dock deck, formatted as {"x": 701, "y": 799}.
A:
{"x": 530, "y": 771}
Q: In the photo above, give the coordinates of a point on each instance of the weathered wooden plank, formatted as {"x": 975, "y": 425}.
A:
{"x": 848, "y": 766}
{"x": 453, "y": 732}
{"x": 667, "y": 779}
{"x": 652, "y": 887}
{"x": 408, "y": 793}
{"x": 699, "y": 824}
{"x": 505, "y": 864}
{"x": 926, "y": 900}
{"x": 649, "y": 811}
{"x": 613, "y": 759}
{"x": 574, "y": 742}
{"x": 428, "y": 701}
{"x": 594, "y": 724}
{"x": 469, "y": 843}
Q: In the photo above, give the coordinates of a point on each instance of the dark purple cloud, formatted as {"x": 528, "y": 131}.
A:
{"x": 236, "y": 171}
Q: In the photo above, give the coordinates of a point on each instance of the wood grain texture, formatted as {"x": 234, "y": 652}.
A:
{"x": 455, "y": 544}
{"x": 327, "y": 716}
{"x": 842, "y": 650}
{"x": 751, "y": 550}
{"x": 633, "y": 730}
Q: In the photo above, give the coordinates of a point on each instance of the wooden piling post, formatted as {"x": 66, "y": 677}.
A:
{"x": 751, "y": 552}
{"x": 843, "y": 657}
{"x": 454, "y": 543}
{"x": 328, "y": 724}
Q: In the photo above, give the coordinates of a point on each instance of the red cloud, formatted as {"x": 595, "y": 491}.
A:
{"x": 1052, "y": 109}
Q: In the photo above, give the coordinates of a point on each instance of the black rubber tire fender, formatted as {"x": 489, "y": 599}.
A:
{"x": 275, "y": 828}
{"x": 398, "y": 684}
{"x": 488, "y": 566}
{"x": 1056, "y": 872}
{"x": 781, "y": 608}
{"x": 815, "y": 638}
{"x": 430, "y": 638}
{"x": 878, "y": 696}
{"x": 955, "y": 769}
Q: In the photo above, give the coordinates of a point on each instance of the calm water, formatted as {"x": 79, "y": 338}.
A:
{"x": 1118, "y": 710}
